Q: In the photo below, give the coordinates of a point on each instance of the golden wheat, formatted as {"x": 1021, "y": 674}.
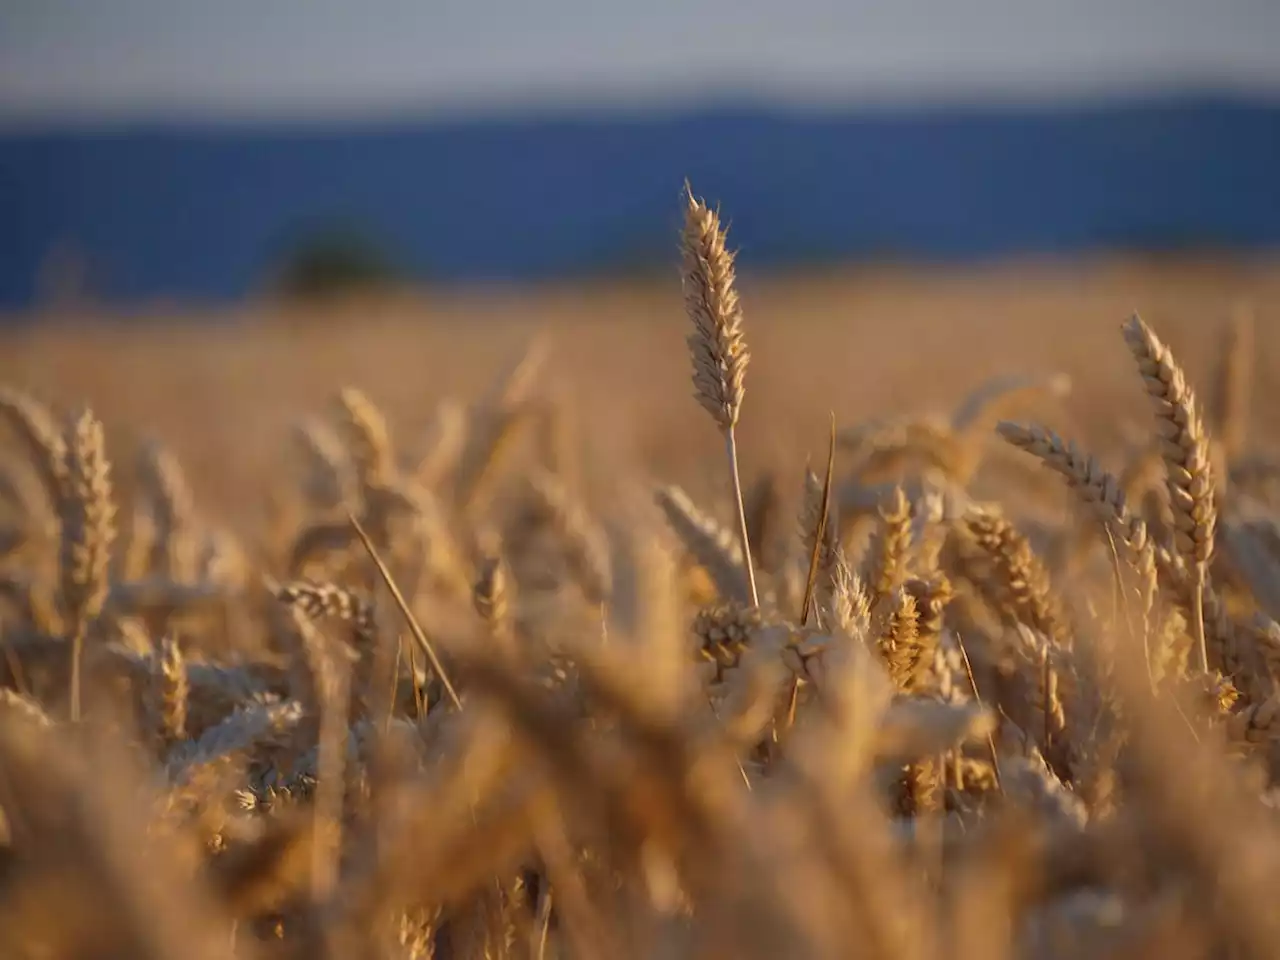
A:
{"x": 483, "y": 710}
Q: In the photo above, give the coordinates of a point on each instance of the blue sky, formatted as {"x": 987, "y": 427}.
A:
{"x": 72, "y": 59}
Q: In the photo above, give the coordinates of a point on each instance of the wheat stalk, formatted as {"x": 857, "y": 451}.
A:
{"x": 1188, "y": 466}
{"x": 717, "y": 347}
{"x": 87, "y": 511}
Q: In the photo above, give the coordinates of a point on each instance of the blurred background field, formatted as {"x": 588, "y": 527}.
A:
{"x": 224, "y": 386}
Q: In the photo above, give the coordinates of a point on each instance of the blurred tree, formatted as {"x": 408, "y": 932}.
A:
{"x": 63, "y": 278}
{"x": 336, "y": 262}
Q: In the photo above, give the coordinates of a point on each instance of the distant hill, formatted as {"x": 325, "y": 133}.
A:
{"x": 207, "y": 212}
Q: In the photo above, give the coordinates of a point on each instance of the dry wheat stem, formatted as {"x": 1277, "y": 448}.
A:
{"x": 415, "y": 628}
{"x": 731, "y": 448}
{"x": 973, "y": 685}
{"x": 821, "y": 537}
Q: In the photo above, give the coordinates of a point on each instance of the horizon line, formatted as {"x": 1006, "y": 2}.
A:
{"x": 635, "y": 109}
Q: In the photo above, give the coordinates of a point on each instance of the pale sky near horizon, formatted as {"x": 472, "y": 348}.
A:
{"x": 64, "y": 60}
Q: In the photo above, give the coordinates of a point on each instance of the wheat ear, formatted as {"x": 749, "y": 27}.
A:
{"x": 709, "y": 543}
{"x": 1185, "y": 447}
{"x": 39, "y": 429}
{"x": 363, "y": 429}
{"x": 173, "y": 511}
{"x": 491, "y": 596}
{"x": 717, "y": 347}
{"x": 1101, "y": 492}
{"x": 88, "y": 514}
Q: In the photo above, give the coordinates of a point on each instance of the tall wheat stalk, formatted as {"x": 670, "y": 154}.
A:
{"x": 716, "y": 346}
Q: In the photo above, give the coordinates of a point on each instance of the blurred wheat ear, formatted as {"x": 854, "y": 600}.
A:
{"x": 88, "y": 514}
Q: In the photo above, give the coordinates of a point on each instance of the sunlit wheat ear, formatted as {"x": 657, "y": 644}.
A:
{"x": 328, "y": 476}
{"x": 173, "y": 512}
{"x": 447, "y": 445}
{"x": 1100, "y": 492}
{"x": 319, "y": 601}
{"x": 1186, "y": 446}
{"x": 719, "y": 352}
{"x": 88, "y": 514}
{"x": 584, "y": 543}
{"x": 1188, "y": 472}
{"x": 716, "y": 346}
{"x": 492, "y": 595}
{"x": 710, "y": 545}
{"x": 850, "y": 608}
{"x": 892, "y": 546}
{"x": 170, "y": 693}
{"x": 364, "y": 430}
{"x": 38, "y": 429}
{"x": 1019, "y": 580}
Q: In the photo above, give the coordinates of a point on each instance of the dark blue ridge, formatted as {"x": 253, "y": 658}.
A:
{"x": 204, "y": 212}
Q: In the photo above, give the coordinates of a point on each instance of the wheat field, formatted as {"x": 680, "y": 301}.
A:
{"x": 892, "y": 613}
